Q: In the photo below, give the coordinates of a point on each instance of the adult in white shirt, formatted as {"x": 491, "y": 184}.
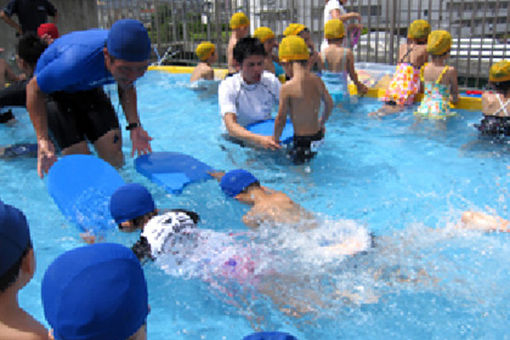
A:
{"x": 250, "y": 95}
{"x": 334, "y": 9}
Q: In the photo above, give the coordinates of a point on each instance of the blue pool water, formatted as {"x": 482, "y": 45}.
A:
{"x": 405, "y": 181}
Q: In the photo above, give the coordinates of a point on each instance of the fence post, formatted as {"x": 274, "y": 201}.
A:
{"x": 392, "y": 30}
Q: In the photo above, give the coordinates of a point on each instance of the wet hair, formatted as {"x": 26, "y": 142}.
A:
{"x": 246, "y": 47}
{"x": 8, "y": 278}
{"x": 30, "y": 47}
{"x": 500, "y": 86}
{"x": 142, "y": 247}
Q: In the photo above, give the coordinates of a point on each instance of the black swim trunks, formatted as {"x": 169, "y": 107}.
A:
{"x": 80, "y": 116}
{"x": 305, "y": 148}
{"x": 494, "y": 126}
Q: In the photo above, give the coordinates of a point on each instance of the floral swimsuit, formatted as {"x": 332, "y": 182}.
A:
{"x": 405, "y": 84}
{"x": 436, "y": 99}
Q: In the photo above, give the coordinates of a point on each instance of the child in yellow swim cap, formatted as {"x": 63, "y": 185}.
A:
{"x": 440, "y": 80}
{"x": 240, "y": 25}
{"x": 314, "y": 61}
{"x": 301, "y": 97}
{"x": 406, "y": 83}
{"x": 496, "y": 105}
{"x": 339, "y": 61}
{"x": 268, "y": 39}
{"x": 206, "y": 53}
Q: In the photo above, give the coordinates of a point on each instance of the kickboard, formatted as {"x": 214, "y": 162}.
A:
{"x": 266, "y": 128}
{"x": 172, "y": 170}
{"x": 81, "y": 186}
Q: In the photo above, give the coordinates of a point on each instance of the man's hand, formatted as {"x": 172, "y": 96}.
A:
{"x": 140, "y": 140}
{"x": 45, "y": 156}
{"x": 267, "y": 142}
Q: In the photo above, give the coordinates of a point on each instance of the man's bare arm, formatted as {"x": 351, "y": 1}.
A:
{"x": 236, "y": 130}
{"x": 8, "y": 20}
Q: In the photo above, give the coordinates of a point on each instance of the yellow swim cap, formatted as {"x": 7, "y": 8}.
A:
{"x": 439, "y": 42}
{"x": 239, "y": 20}
{"x": 334, "y": 29}
{"x": 419, "y": 29}
{"x": 500, "y": 71}
{"x": 293, "y": 29}
{"x": 263, "y": 34}
{"x": 205, "y": 50}
{"x": 292, "y": 48}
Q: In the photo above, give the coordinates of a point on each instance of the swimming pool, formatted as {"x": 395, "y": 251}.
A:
{"x": 404, "y": 180}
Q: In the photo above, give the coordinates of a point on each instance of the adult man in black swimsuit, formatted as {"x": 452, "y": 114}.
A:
{"x": 31, "y": 13}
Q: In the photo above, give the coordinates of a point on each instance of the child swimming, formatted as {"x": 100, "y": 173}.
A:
{"x": 406, "y": 84}
{"x": 301, "y": 98}
{"x": 440, "y": 80}
{"x": 339, "y": 61}
{"x": 495, "y": 106}
{"x": 206, "y": 52}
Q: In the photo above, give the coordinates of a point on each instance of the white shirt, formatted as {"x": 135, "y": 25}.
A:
{"x": 250, "y": 103}
{"x": 331, "y": 5}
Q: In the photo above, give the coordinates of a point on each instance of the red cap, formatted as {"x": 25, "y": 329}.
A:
{"x": 49, "y": 29}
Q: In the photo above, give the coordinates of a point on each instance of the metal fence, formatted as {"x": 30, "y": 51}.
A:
{"x": 480, "y": 28}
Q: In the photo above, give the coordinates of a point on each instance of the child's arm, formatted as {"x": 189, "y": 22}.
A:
{"x": 328, "y": 103}
{"x": 454, "y": 90}
{"x": 362, "y": 89}
{"x": 283, "y": 109}
{"x": 479, "y": 221}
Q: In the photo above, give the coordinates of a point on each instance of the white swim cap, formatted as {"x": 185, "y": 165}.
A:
{"x": 161, "y": 227}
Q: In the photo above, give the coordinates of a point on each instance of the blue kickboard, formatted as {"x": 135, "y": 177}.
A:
{"x": 266, "y": 128}
{"x": 172, "y": 170}
{"x": 81, "y": 186}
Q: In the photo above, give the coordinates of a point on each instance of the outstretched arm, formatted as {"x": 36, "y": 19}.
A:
{"x": 236, "y": 130}
{"x": 362, "y": 89}
{"x": 328, "y": 105}
{"x": 479, "y": 221}
{"x": 8, "y": 20}
{"x": 281, "y": 118}
{"x": 140, "y": 139}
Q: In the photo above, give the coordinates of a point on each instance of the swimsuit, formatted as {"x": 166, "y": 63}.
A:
{"x": 436, "y": 100}
{"x": 405, "y": 84}
{"x": 336, "y": 82}
{"x": 494, "y": 125}
{"x": 304, "y": 148}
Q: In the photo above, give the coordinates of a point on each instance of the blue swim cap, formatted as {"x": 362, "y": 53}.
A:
{"x": 130, "y": 201}
{"x": 96, "y": 292}
{"x": 129, "y": 40}
{"x": 235, "y": 181}
{"x": 14, "y": 236}
{"x": 270, "y": 336}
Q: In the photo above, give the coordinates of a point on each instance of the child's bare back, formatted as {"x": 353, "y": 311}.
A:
{"x": 432, "y": 72}
{"x": 414, "y": 54}
{"x": 302, "y": 95}
{"x": 202, "y": 71}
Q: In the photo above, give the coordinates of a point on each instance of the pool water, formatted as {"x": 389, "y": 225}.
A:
{"x": 405, "y": 181}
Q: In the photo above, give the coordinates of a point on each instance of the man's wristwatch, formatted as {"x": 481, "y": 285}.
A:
{"x": 132, "y": 126}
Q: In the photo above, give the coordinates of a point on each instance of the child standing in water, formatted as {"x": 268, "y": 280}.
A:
{"x": 206, "y": 52}
{"x": 339, "y": 61}
{"x": 406, "y": 81}
{"x": 314, "y": 61}
{"x": 440, "y": 80}
{"x": 496, "y": 106}
{"x": 240, "y": 26}
{"x": 301, "y": 97}
{"x": 267, "y": 38}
